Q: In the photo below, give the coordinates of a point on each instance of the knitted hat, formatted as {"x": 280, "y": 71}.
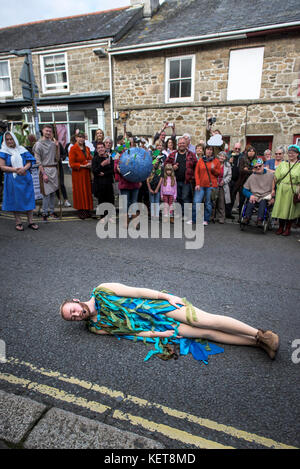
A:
{"x": 294, "y": 148}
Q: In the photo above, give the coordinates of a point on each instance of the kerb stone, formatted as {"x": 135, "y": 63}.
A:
{"x": 60, "y": 429}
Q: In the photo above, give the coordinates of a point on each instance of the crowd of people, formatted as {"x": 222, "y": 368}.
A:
{"x": 181, "y": 172}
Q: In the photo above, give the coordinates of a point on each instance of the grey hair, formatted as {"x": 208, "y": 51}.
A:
{"x": 281, "y": 148}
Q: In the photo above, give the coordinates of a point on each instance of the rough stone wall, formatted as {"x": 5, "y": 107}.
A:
{"x": 86, "y": 72}
{"x": 139, "y": 86}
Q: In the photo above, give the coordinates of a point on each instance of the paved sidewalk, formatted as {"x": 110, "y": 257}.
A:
{"x": 28, "y": 424}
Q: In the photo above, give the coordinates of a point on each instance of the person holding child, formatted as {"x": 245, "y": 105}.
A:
{"x": 168, "y": 191}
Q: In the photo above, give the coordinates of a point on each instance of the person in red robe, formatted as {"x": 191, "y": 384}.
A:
{"x": 80, "y": 160}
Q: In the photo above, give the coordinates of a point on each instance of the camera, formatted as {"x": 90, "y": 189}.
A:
{"x": 212, "y": 120}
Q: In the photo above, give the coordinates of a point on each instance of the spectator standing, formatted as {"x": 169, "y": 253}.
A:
{"x": 246, "y": 163}
{"x": 126, "y": 188}
{"x": 287, "y": 180}
{"x": 206, "y": 174}
{"x": 162, "y": 134}
{"x": 272, "y": 164}
{"x": 199, "y": 150}
{"x": 267, "y": 155}
{"x": 170, "y": 147}
{"x": 108, "y": 143}
{"x": 80, "y": 161}
{"x": 224, "y": 179}
{"x": 189, "y": 146}
{"x": 103, "y": 170}
{"x": 3, "y": 128}
{"x": 46, "y": 153}
{"x": 99, "y": 137}
{"x": 168, "y": 191}
{"x": 234, "y": 157}
{"x": 18, "y": 194}
{"x": 184, "y": 164}
{"x": 63, "y": 155}
{"x": 153, "y": 183}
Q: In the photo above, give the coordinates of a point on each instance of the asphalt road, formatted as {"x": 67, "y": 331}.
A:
{"x": 241, "y": 399}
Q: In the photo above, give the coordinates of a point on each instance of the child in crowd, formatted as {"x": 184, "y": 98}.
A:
{"x": 153, "y": 184}
{"x": 168, "y": 191}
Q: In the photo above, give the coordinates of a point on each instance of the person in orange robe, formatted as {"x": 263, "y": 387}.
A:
{"x": 80, "y": 160}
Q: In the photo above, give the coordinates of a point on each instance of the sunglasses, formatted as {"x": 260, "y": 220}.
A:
{"x": 258, "y": 166}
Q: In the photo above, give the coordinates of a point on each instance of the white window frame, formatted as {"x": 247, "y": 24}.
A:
{"x": 46, "y": 89}
{"x": 167, "y": 80}
{"x": 7, "y": 93}
{"x": 239, "y": 73}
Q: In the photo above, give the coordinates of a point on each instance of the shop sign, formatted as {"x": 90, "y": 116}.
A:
{"x": 53, "y": 108}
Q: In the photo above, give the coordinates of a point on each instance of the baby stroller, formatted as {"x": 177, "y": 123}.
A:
{"x": 266, "y": 221}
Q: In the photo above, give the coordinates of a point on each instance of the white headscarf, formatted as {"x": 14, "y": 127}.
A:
{"x": 15, "y": 153}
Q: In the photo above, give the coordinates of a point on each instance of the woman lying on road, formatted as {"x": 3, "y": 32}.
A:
{"x": 165, "y": 319}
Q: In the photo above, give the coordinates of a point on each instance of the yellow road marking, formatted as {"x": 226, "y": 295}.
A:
{"x": 56, "y": 393}
{"x": 210, "y": 424}
{"x": 169, "y": 432}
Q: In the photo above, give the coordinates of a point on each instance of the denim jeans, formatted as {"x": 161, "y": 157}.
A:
{"x": 184, "y": 194}
{"x": 154, "y": 203}
{"x": 198, "y": 198}
{"x": 131, "y": 194}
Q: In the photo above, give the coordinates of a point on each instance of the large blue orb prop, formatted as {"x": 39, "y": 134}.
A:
{"x": 135, "y": 164}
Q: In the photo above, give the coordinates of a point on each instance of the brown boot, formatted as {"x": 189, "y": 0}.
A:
{"x": 281, "y": 227}
{"x": 268, "y": 341}
{"x": 288, "y": 227}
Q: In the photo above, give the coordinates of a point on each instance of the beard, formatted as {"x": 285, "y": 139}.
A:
{"x": 86, "y": 312}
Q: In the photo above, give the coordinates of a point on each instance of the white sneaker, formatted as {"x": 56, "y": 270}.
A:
{"x": 189, "y": 222}
{"x": 205, "y": 223}
{"x": 67, "y": 204}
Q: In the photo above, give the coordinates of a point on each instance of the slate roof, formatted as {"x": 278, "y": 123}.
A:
{"x": 99, "y": 25}
{"x": 178, "y": 19}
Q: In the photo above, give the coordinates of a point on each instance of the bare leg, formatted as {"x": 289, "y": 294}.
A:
{"x": 18, "y": 221}
{"x": 30, "y": 216}
{"x": 215, "y": 336}
{"x": 214, "y": 321}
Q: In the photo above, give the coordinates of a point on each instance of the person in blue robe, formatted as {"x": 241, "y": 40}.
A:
{"x": 18, "y": 192}
{"x": 173, "y": 324}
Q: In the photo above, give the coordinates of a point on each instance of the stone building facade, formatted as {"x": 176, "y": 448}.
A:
{"x": 71, "y": 67}
{"x": 88, "y": 78}
{"x": 272, "y": 119}
{"x": 118, "y": 61}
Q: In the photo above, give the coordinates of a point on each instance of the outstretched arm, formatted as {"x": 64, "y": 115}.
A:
{"x": 134, "y": 292}
{"x": 150, "y": 334}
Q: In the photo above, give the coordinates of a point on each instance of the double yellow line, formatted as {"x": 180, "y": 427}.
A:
{"x": 169, "y": 432}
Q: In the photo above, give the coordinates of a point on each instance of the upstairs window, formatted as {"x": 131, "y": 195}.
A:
{"x": 245, "y": 73}
{"x": 54, "y": 73}
{"x": 180, "y": 79}
{"x": 5, "y": 79}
